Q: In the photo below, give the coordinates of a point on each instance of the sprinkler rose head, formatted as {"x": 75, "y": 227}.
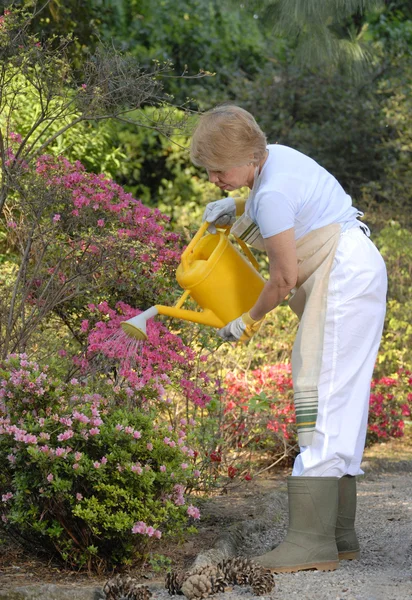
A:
{"x": 136, "y": 326}
{"x": 133, "y": 331}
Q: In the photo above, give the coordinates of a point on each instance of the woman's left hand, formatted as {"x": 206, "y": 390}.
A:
{"x": 241, "y": 329}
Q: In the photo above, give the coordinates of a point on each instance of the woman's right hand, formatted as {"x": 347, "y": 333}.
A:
{"x": 220, "y": 212}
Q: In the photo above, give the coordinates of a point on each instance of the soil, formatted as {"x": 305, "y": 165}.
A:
{"x": 384, "y": 526}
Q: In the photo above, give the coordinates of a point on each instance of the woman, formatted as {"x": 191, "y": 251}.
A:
{"x": 301, "y": 217}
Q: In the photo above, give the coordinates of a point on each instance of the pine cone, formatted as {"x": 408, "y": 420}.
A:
{"x": 236, "y": 570}
{"x": 123, "y": 587}
{"x": 173, "y": 582}
{"x": 262, "y": 581}
{"x": 203, "y": 581}
{"x": 197, "y": 586}
{"x": 242, "y": 571}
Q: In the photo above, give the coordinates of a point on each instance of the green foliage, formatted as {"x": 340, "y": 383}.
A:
{"x": 82, "y": 17}
{"x": 325, "y": 36}
{"x": 194, "y": 35}
{"x": 156, "y": 169}
{"x": 90, "y": 143}
{"x": 395, "y": 244}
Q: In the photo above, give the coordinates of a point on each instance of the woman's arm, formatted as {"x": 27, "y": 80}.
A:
{"x": 283, "y": 273}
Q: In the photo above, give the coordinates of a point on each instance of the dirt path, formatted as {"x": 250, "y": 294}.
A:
{"x": 384, "y": 525}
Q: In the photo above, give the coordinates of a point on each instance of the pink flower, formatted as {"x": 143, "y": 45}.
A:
{"x": 149, "y": 446}
{"x": 150, "y": 531}
{"x": 66, "y": 435}
{"x": 94, "y": 431}
{"x": 50, "y": 477}
{"x": 137, "y": 469}
{"x": 79, "y": 497}
{"x": 56, "y": 218}
{"x": 184, "y": 466}
{"x": 194, "y": 512}
{"x": 100, "y": 222}
{"x": 162, "y": 468}
{"x": 139, "y": 527}
{"x": 6, "y": 497}
{"x": 196, "y": 473}
{"x": 84, "y": 325}
{"x": 158, "y": 534}
{"x": 78, "y": 456}
{"x": 74, "y": 381}
{"x": 76, "y": 466}
{"x": 96, "y": 464}
{"x": 137, "y": 435}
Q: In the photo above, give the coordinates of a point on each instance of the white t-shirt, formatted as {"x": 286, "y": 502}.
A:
{"x": 293, "y": 190}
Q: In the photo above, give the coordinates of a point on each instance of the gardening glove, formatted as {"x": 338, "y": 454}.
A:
{"x": 220, "y": 212}
{"x": 241, "y": 329}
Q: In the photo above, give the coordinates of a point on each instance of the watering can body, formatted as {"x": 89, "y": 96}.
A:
{"x": 220, "y": 279}
{"x": 216, "y": 276}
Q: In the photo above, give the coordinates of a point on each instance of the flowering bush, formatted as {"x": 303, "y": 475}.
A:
{"x": 258, "y": 421}
{"x": 159, "y": 370}
{"x": 253, "y": 421}
{"x": 90, "y": 477}
{"x": 390, "y": 403}
{"x": 259, "y": 409}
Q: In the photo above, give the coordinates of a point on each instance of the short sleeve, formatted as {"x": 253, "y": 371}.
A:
{"x": 274, "y": 212}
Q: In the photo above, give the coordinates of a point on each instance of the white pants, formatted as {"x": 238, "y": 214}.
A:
{"x": 353, "y": 328}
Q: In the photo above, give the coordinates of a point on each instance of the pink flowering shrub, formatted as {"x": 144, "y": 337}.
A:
{"x": 389, "y": 406}
{"x": 258, "y": 411}
{"x": 258, "y": 421}
{"x": 136, "y": 255}
{"x": 159, "y": 370}
{"x": 87, "y": 476}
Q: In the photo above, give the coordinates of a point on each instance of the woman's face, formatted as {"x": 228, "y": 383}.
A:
{"x": 233, "y": 178}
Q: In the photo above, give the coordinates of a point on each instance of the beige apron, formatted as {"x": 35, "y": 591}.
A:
{"x": 315, "y": 254}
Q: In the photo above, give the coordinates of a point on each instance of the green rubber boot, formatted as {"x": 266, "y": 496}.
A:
{"x": 346, "y": 540}
{"x": 310, "y": 541}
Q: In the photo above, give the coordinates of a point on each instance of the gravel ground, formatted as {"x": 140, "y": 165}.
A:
{"x": 384, "y": 572}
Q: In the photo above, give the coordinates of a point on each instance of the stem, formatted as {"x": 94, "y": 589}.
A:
{"x": 15, "y": 290}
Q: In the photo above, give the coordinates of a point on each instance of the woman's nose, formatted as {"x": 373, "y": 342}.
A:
{"x": 213, "y": 178}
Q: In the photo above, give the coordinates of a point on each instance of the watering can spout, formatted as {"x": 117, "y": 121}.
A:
{"x": 136, "y": 326}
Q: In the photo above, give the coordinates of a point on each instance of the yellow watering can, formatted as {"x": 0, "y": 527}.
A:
{"x": 214, "y": 274}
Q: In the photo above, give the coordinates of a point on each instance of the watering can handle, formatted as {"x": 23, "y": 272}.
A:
{"x": 199, "y": 234}
{"x": 247, "y": 252}
{"x": 192, "y": 244}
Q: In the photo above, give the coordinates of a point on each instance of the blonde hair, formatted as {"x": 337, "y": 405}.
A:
{"x": 227, "y": 136}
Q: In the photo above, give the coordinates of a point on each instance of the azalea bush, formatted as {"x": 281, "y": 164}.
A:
{"x": 248, "y": 423}
{"x": 254, "y": 426}
{"x": 88, "y": 477}
{"x": 390, "y": 406}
